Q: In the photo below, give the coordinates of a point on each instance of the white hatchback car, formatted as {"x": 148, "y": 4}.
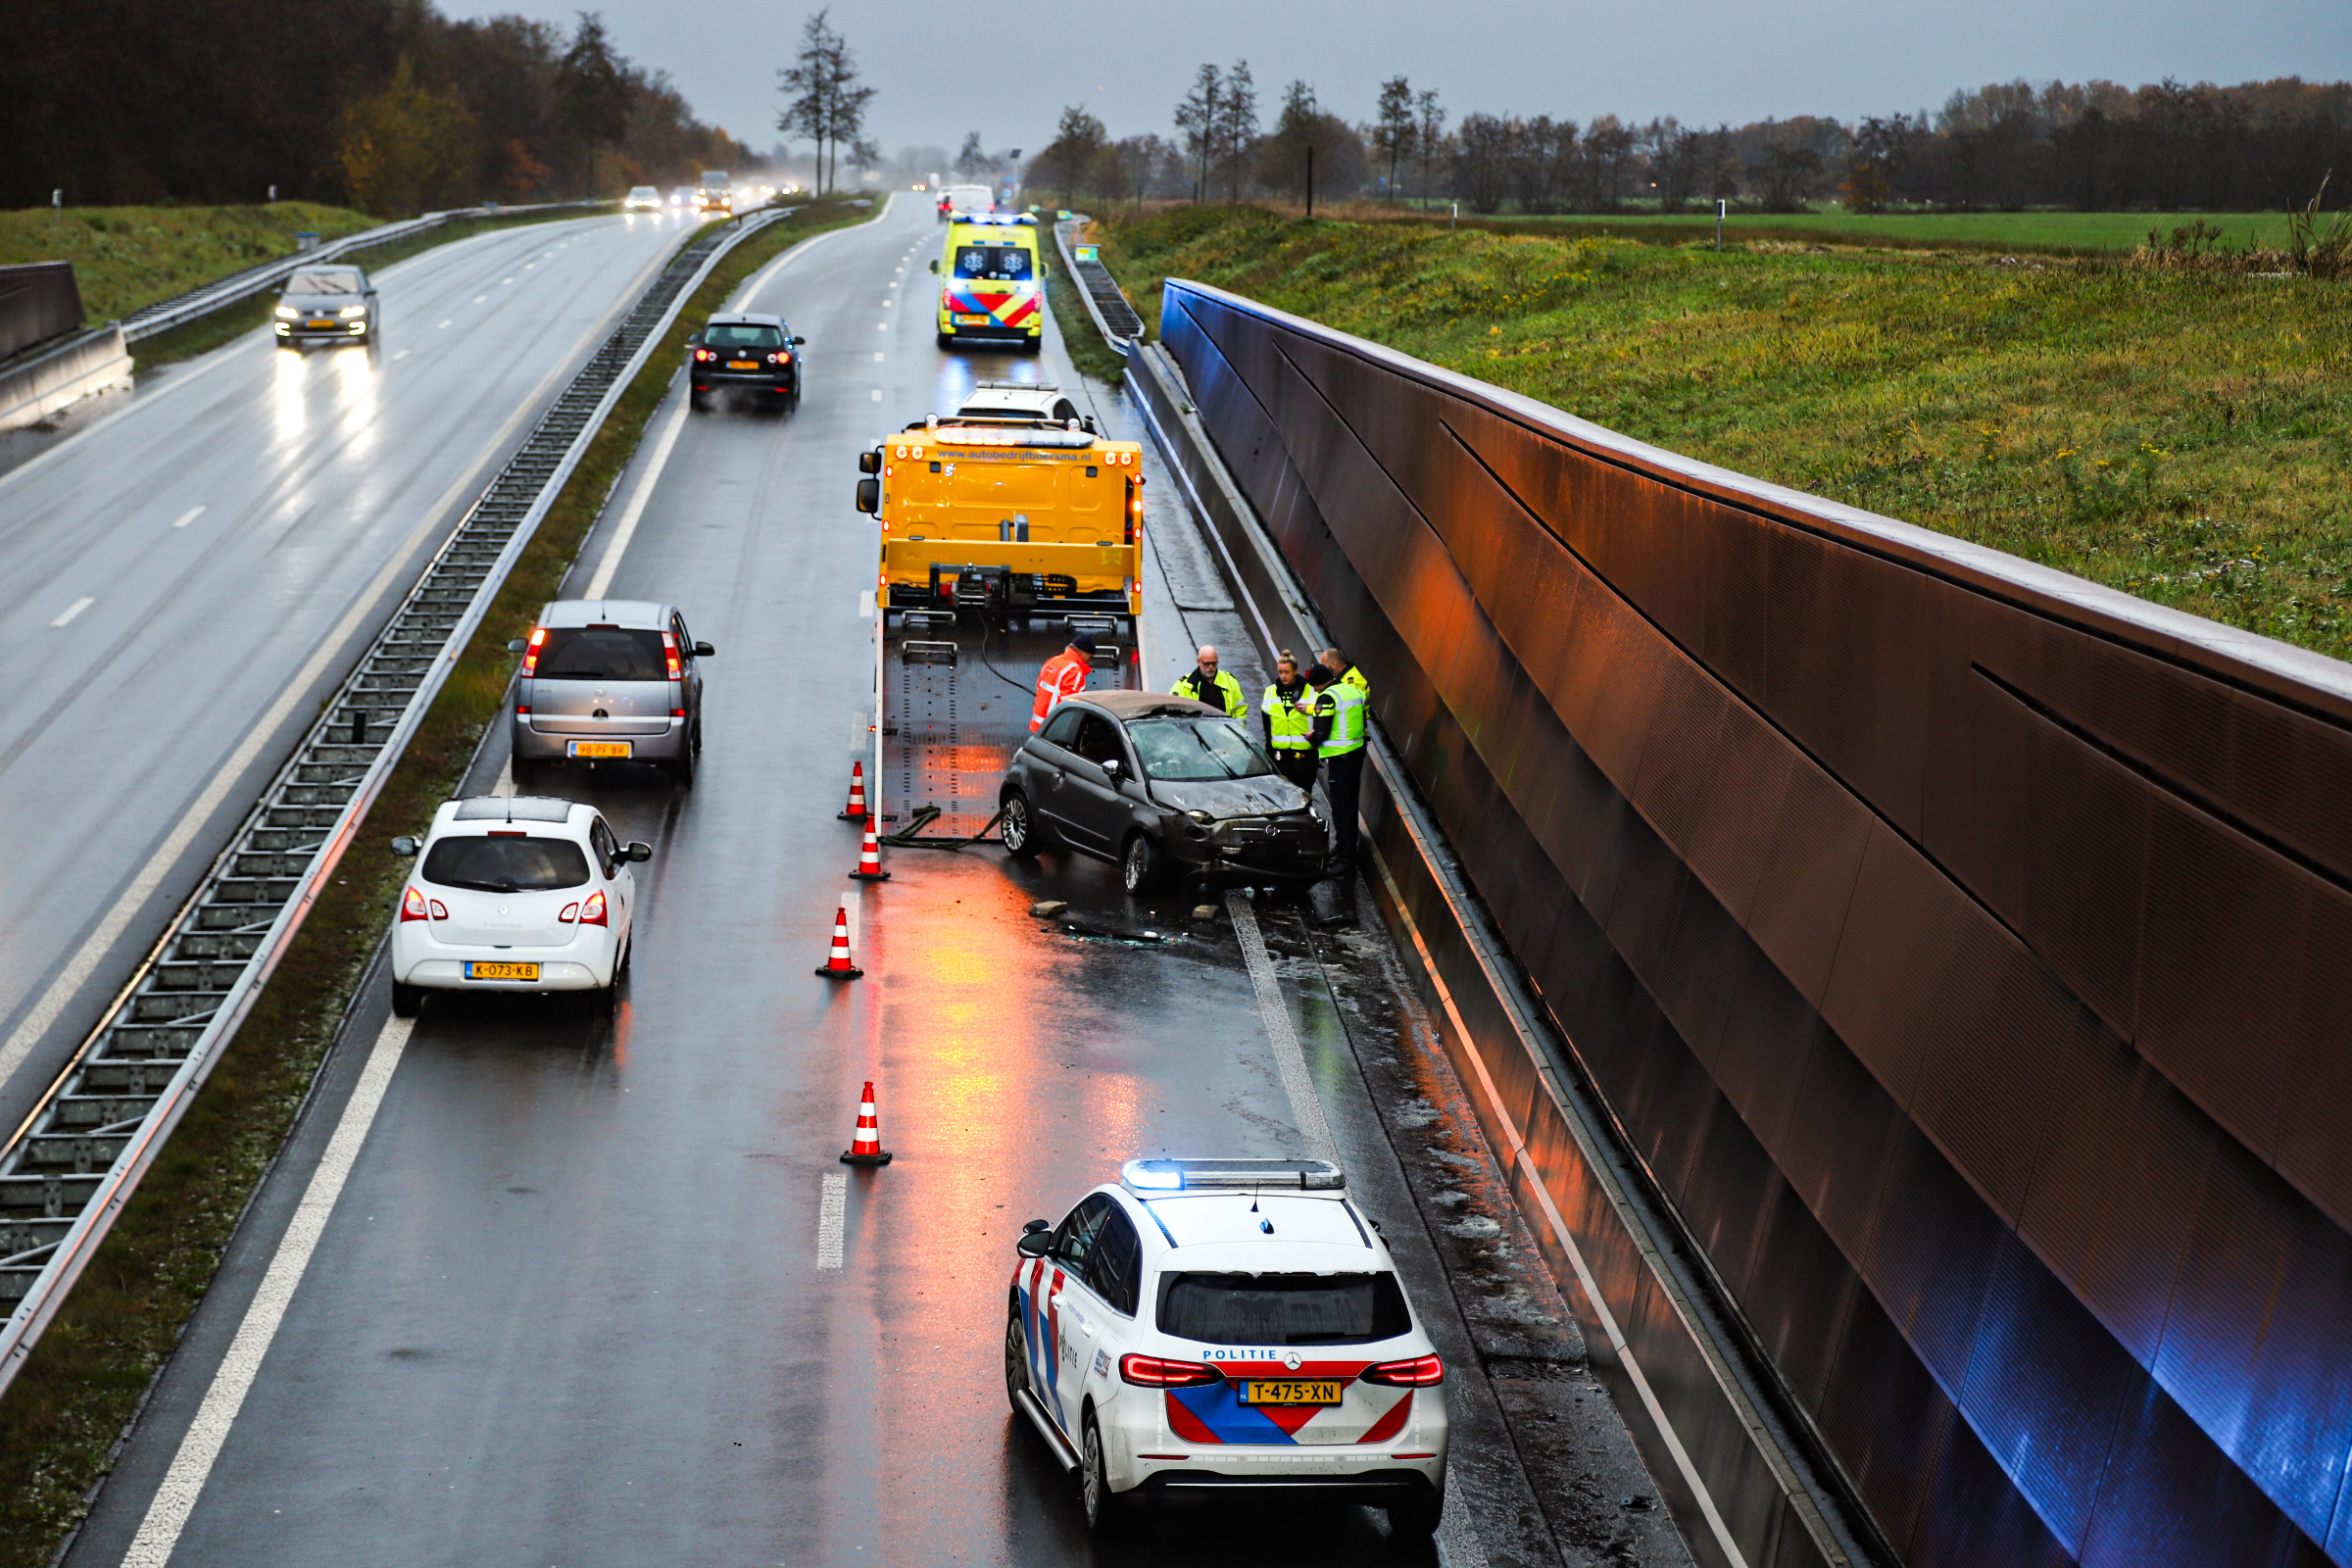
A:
{"x": 1211, "y": 1324}
{"x": 513, "y": 893}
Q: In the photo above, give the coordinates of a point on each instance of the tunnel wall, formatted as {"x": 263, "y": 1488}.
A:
{"x": 1960, "y": 946}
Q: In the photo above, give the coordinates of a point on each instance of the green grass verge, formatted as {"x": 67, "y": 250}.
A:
{"x": 2182, "y": 436}
{"x": 208, "y": 332}
{"x": 2036, "y": 232}
{"x": 85, "y": 1378}
{"x": 127, "y": 257}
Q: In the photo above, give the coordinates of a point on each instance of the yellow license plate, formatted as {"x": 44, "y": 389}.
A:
{"x": 321, "y": 324}
{"x": 965, "y": 318}
{"x": 1318, "y": 1391}
{"x": 743, "y": 364}
{"x": 502, "y": 971}
{"x": 600, "y": 748}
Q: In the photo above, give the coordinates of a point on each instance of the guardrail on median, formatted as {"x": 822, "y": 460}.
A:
{"x": 1955, "y": 946}
{"x": 67, "y": 1176}
{"x": 1106, "y": 303}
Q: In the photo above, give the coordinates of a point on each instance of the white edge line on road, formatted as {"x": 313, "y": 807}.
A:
{"x": 77, "y": 970}
{"x": 1307, "y": 1107}
{"x": 832, "y": 1218}
{"x": 66, "y": 618}
{"x": 175, "y": 1498}
{"x": 187, "y": 517}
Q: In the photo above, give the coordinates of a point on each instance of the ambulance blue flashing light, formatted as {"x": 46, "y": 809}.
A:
{"x": 1007, "y": 220}
{"x": 1142, "y": 1176}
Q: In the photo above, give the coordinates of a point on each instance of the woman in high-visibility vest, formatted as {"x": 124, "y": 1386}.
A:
{"x": 1288, "y": 713}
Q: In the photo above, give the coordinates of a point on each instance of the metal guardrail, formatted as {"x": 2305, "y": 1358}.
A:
{"x": 1113, "y": 316}
{"x": 165, "y": 315}
{"x": 76, "y": 1161}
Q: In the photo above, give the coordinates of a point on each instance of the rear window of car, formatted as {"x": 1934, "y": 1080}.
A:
{"x": 1000, "y": 264}
{"x": 742, "y": 337}
{"x": 600, "y": 653}
{"x": 1281, "y": 1308}
{"x": 505, "y": 864}
{"x": 1190, "y": 750}
{"x": 324, "y": 284}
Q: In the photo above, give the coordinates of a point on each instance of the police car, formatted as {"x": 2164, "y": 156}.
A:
{"x": 1207, "y": 1324}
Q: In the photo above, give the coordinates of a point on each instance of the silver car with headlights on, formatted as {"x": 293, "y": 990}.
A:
{"x": 327, "y": 305}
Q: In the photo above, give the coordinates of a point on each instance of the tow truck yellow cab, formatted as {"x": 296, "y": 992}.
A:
{"x": 1009, "y": 515}
{"x": 991, "y": 286}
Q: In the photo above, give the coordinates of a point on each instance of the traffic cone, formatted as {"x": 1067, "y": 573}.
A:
{"x": 837, "y": 964}
{"x": 870, "y": 859}
{"x": 866, "y": 1145}
{"x": 856, "y": 807}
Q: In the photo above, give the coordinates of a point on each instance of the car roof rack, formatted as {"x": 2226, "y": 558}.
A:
{"x": 1153, "y": 1178}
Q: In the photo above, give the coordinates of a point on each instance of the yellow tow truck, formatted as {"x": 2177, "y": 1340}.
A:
{"x": 1012, "y": 507}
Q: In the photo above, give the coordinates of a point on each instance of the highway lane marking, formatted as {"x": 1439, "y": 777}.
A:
{"x": 877, "y": 390}
{"x": 878, "y": 355}
{"x": 881, "y": 327}
{"x": 402, "y": 355}
{"x": 1307, "y": 1107}
{"x": 77, "y": 970}
{"x": 66, "y": 618}
{"x": 187, "y": 517}
{"x": 506, "y": 778}
{"x": 175, "y": 1498}
{"x": 626, "y": 528}
{"x": 832, "y": 1220}
{"x": 479, "y": 299}
{"x": 438, "y": 328}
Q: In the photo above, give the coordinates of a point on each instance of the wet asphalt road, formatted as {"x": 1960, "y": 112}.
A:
{"x": 569, "y": 1307}
{"x": 182, "y": 582}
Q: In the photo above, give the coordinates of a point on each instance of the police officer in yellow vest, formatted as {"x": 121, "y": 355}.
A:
{"x": 1339, "y": 735}
{"x": 1207, "y": 683}
{"x": 1288, "y": 713}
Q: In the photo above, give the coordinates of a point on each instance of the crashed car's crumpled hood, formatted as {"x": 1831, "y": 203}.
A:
{"x": 1222, "y": 797}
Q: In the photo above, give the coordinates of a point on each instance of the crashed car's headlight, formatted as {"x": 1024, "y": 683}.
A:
{"x": 1198, "y": 817}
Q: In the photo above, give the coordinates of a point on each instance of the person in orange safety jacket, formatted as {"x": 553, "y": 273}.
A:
{"x": 1061, "y": 677}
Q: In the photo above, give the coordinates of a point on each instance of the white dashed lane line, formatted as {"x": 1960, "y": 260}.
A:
{"x": 832, "y": 1218}
{"x": 438, "y": 328}
{"x": 187, "y": 517}
{"x": 71, "y": 611}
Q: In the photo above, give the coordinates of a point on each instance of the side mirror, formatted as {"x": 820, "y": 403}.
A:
{"x": 1112, "y": 769}
{"x": 869, "y": 461}
{"x": 404, "y": 846}
{"x": 705, "y": 651}
{"x": 1036, "y": 1244}
{"x": 517, "y": 645}
{"x": 869, "y": 495}
{"x": 798, "y": 341}
{"x": 1036, "y": 1225}
{"x": 935, "y": 263}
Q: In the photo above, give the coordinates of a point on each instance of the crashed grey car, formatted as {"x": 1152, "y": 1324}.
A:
{"x": 327, "y": 305}
{"x": 1162, "y": 787}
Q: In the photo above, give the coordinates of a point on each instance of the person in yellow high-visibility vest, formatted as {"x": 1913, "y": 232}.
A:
{"x": 1354, "y": 675}
{"x": 1205, "y": 682}
{"x": 1287, "y": 714}
{"x": 1339, "y": 734}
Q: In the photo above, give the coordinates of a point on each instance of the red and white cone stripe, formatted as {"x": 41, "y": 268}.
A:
{"x": 869, "y": 859}
{"x": 856, "y": 811}
{"x": 866, "y": 1145}
{"x": 838, "y": 963}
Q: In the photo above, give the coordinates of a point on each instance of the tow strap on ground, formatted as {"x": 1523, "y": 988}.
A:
{"x": 910, "y": 837}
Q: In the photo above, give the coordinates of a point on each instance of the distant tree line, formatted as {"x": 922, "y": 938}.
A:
{"x": 2257, "y": 146}
{"x": 382, "y": 104}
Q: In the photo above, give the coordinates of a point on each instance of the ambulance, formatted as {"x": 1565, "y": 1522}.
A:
{"x": 992, "y": 285}
{"x": 1012, "y": 507}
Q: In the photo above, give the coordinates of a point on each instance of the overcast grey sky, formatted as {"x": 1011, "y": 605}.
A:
{"x": 1005, "y": 70}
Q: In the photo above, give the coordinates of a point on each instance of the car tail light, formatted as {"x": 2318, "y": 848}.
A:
{"x": 784, "y": 358}
{"x": 571, "y": 912}
{"x": 670, "y": 651}
{"x": 440, "y": 910}
{"x": 1151, "y": 1372}
{"x": 703, "y": 355}
{"x": 1421, "y": 1372}
{"x": 592, "y": 912}
{"x": 677, "y": 713}
{"x": 412, "y": 906}
{"x": 530, "y": 652}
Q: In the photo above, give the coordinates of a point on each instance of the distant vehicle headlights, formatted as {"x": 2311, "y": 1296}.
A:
{"x": 287, "y": 313}
{"x": 350, "y": 310}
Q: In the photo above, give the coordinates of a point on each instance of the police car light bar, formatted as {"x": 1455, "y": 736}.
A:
{"x": 1144, "y": 1176}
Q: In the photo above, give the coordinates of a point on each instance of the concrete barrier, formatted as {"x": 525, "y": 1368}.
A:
{"x": 47, "y": 380}
{"x": 1950, "y": 954}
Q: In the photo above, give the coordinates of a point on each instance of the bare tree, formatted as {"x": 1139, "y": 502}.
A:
{"x": 592, "y": 95}
{"x": 972, "y": 159}
{"x": 826, "y": 104}
{"x": 1237, "y": 125}
{"x": 1394, "y": 126}
{"x": 1429, "y": 136}
{"x": 1196, "y": 124}
{"x": 1078, "y": 141}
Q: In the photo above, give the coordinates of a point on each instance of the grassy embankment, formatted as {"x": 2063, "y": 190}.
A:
{"x": 2030, "y": 232}
{"x": 2182, "y": 436}
{"x": 87, "y": 1375}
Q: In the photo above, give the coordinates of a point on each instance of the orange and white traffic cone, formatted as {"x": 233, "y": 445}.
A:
{"x": 837, "y": 964}
{"x": 856, "y": 807}
{"x": 866, "y": 1145}
{"x": 870, "y": 859}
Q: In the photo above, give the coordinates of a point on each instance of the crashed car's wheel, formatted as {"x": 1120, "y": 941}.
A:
{"x": 1416, "y": 1520}
{"x": 1144, "y": 866}
{"x": 1018, "y": 828}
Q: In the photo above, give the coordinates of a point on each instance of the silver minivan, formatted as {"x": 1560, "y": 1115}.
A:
{"x": 609, "y": 681}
